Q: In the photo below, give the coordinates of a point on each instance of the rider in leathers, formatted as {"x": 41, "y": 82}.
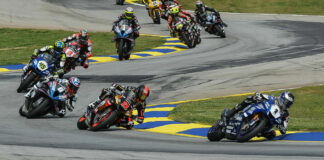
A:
{"x": 284, "y": 101}
{"x": 201, "y": 13}
{"x": 175, "y": 12}
{"x": 85, "y": 44}
{"x": 56, "y": 51}
{"x": 67, "y": 95}
{"x": 130, "y": 96}
{"x": 129, "y": 15}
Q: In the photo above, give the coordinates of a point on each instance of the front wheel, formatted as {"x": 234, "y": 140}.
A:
{"x": 26, "y": 82}
{"x": 157, "y": 17}
{"x": 245, "y": 134}
{"x": 82, "y": 123}
{"x": 189, "y": 42}
{"x": 215, "y": 132}
{"x": 120, "y": 50}
{"x": 220, "y": 31}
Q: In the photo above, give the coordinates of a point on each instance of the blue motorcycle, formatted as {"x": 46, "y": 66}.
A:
{"x": 43, "y": 100}
{"x": 124, "y": 39}
{"x": 254, "y": 120}
{"x": 42, "y": 66}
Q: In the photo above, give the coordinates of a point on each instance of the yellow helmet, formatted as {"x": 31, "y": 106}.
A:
{"x": 174, "y": 10}
{"x": 129, "y": 12}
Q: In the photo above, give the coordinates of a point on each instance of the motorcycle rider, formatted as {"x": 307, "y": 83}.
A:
{"x": 201, "y": 13}
{"x": 284, "y": 101}
{"x": 164, "y": 7}
{"x": 85, "y": 44}
{"x": 175, "y": 12}
{"x": 129, "y": 15}
{"x": 130, "y": 96}
{"x": 56, "y": 51}
{"x": 66, "y": 97}
{"x": 164, "y": 3}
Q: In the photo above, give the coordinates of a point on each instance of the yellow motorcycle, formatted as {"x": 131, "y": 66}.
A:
{"x": 154, "y": 10}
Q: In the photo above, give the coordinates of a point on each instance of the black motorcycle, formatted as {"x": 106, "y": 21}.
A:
{"x": 214, "y": 25}
{"x": 185, "y": 31}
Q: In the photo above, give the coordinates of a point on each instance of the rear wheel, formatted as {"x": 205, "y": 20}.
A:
{"x": 26, "y": 82}
{"x": 215, "y": 132}
{"x": 246, "y": 134}
{"x": 103, "y": 119}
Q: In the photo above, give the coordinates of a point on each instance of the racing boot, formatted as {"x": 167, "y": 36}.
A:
{"x": 61, "y": 112}
{"x": 85, "y": 63}
{"x": 60, "y": 109}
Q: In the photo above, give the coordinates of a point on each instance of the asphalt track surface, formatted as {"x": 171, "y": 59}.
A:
{"x": 261, "y": 52}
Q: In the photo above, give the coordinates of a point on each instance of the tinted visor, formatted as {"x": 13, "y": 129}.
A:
{"x": 129, "y": 15}
{"x": 58, "y": 50}
{"x": 285, "y": 103}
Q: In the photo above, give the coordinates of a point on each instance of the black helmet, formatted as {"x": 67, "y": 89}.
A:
{"x": 285, "y": 100}
{"x": 142, "y": 92}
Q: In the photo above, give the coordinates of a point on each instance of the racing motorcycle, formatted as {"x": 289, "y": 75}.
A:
{"x": 215, "y": 26}
{"x": 72, "y": 58}
{"x": 120, "y": 2}
{"x": 185, "y": 32}
{"x": 106, "y": 114}
{"x": 154, "y": 10}
{"x": 124, "y": 39}
{"x": 42, "y": 101}
{"x": 42, "y": 66}
{"x": 254, "y": 120}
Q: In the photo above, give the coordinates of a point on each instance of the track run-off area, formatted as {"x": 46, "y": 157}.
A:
{"x": 261, "y": 52}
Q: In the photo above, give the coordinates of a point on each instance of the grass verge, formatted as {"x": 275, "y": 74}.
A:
{"x": 306, "y": 114}
{"x": 17, "y": 45}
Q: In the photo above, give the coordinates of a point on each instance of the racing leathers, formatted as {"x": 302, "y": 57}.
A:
{"x": 258, "y": 98}
{"x": 128, "y": 98}
{"x": 64, "y": 99}
{"x": 58, "y": 58}
{"x": 85, "y": 47}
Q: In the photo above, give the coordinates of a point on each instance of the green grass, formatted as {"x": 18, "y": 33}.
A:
{"x": 306, "y": 114}
{"x": 17, "y": 45}
{"x": 311, "y": 7}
